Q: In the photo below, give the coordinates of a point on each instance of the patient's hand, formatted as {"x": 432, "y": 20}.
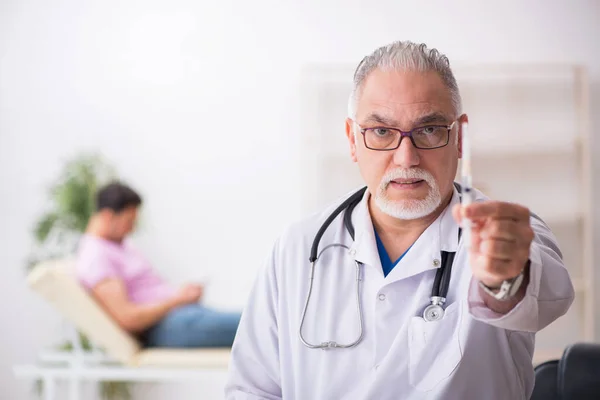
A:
{"x": 189, "y": 294}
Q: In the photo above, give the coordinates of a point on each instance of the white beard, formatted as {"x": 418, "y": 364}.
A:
{"x": 408, "y": 209}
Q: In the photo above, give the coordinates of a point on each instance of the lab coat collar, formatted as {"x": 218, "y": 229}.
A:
{"x": 364, "y": 248}
{"x": 441, "y": 235}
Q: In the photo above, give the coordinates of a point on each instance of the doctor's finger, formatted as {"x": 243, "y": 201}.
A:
{"x": 475, "y": 239}
{"x": 496, "y": 209}
{"x": 458, "y": 217}
{"x": 498, "y": 249}
{"x": 483, "y": 269}
{"x": 500, "y": 229}
{"x": 488, "y": 268}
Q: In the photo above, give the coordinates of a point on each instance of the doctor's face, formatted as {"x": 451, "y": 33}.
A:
{"x": 408, "y": 182}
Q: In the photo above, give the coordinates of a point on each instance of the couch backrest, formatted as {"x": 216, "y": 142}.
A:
{"x": 55, "y": 281}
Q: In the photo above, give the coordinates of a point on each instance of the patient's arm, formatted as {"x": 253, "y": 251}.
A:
{"x": 132, "y": 317}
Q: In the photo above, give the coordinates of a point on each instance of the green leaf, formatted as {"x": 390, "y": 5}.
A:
{"x": 73, "y": 195}
{"x": 86, "y": 344}
{"x": 115, "y": 390}
{"x": 72, "y": 203}
{"x": 44, "y": 226}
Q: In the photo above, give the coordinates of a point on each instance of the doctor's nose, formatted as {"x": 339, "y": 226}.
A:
{"x": 406, "y": 155}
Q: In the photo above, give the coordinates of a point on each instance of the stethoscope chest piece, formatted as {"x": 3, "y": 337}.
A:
{"x": 434, "y": 311}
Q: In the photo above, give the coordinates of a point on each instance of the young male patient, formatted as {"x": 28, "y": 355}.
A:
{"x": 125, "y": 284}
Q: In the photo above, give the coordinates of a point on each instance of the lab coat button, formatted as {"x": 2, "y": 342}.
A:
{"x": 436, "y": 262}
{"x": 352, "y": 252}
{"x": 382, "y": 297}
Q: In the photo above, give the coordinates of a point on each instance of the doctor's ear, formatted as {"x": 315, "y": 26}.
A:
{"x": 351, "y": 138}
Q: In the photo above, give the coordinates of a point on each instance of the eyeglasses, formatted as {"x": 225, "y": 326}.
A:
{"x": 424, "y": 137}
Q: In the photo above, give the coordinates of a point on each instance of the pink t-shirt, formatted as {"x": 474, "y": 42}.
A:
{"x": 99, "y": 259}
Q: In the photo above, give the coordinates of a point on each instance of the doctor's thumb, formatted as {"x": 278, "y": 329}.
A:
{"x": 457, "y": 213}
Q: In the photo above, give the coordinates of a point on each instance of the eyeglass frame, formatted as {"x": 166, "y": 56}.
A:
{"x": 408, "y": 134}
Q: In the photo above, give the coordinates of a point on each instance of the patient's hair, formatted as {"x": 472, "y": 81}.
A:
{"x": 117, "y": 196}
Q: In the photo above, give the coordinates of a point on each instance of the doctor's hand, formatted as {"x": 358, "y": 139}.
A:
{"x": 500, "y": 241}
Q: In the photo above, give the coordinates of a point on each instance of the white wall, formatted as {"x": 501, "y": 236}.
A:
{"x": 197, "y": 105}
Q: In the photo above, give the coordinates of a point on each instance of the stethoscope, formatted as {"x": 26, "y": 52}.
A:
{"x": 433, "y": 312}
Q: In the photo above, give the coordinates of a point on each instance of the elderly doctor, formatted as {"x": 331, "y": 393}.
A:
{"x": 427, "y": 317}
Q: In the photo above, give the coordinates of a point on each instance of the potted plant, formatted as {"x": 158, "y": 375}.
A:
{"x": 58, "y": 230}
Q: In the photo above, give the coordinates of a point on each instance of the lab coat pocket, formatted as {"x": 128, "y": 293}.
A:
{"x": 434, "y": 348}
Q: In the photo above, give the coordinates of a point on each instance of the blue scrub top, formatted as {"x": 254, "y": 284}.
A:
{"x": 386, "y": 263}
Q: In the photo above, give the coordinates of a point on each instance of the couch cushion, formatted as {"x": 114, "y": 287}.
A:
{"x": 183, "y": 358}
{"x": 55, "y": 281}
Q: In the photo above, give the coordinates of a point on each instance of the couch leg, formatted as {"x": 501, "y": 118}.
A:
{"x": 49, "y": 388}
{"x": 74, "y": 386}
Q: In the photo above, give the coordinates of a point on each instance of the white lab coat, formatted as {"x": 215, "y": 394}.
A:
{"x": 472, "y": 353}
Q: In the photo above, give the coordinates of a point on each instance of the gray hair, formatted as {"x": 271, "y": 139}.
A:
{"x": 404, "y": 55}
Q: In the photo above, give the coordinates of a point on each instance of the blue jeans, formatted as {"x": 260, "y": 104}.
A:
{"x": 193, "y": 325}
